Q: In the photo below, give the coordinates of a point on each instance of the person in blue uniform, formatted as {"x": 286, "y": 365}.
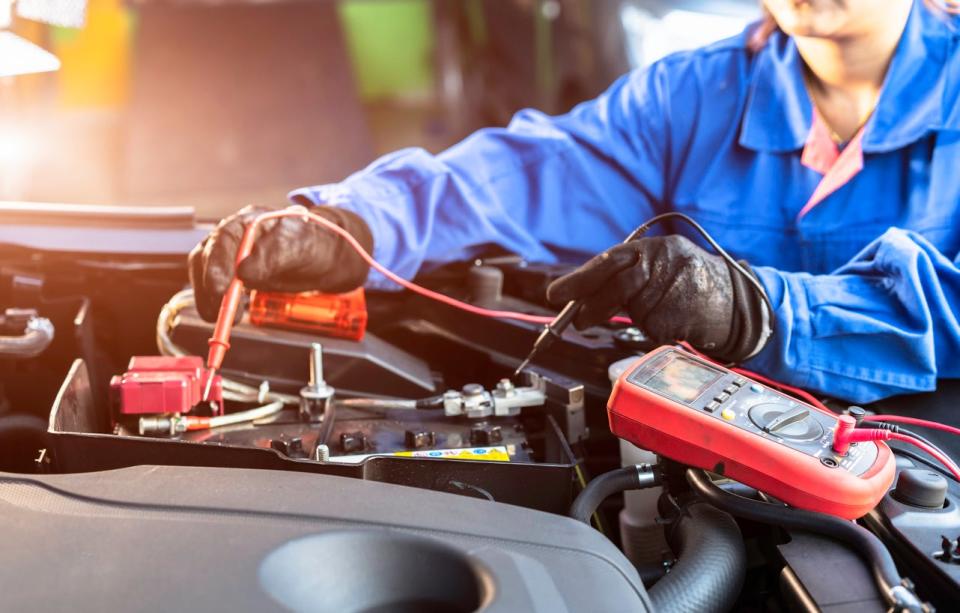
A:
{"x": 821, "y": 147}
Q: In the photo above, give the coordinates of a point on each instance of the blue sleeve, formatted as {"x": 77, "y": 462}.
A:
{"x": 547, "y": 188}
{"x": 887, "y": 322}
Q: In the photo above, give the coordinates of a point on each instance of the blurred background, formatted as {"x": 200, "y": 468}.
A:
{"x": 220, "y": 103}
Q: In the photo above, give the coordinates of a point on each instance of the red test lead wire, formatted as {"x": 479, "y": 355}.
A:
{"x": 846, "y": 433}
{"x": 947, "y": 462}
{"x": 413, "y": 287}
{"x": 913, "y": 421}
{"x": 220, "y": 341}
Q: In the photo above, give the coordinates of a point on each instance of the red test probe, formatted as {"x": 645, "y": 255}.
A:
{"x": 220, "y": 341}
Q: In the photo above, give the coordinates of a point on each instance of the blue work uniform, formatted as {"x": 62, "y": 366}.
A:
{"x": 859, "y": 255}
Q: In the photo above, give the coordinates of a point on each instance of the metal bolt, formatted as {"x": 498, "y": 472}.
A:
{"x": 291, "y": 447}
{"x": 452, "y": 403}
{"x": 472, "y": 389}
{"x": 162, "y": 425}
{"x": 315, "y": 397}
{"x": 316, "y": 365}
{"x": 321, "y": 453}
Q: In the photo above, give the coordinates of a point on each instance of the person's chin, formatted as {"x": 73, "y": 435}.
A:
{"x": 809, "y": 27}
{"x": 808, "y": 19}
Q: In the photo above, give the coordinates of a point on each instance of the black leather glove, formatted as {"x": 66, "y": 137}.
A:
{"x": 289, "y": 255}
{"x": 674, "y": 291}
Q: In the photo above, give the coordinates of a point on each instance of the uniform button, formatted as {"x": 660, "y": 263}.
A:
{"x": 740, "y": 382}
{"x": 728, "y": 414}
{"x": 731, "y": 389}
{"x": 712, "y": 406}
{"x": 722, "y": 396}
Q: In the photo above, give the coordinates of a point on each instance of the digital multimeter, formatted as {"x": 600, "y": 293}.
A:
{"x": 687, "y": 409}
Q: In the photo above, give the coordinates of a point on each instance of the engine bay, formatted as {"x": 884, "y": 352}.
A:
{"x": 323, "y": 409}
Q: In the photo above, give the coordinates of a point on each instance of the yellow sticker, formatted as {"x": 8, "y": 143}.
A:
{"x": 485, "y": 454}
{"x": 488, "y": 454}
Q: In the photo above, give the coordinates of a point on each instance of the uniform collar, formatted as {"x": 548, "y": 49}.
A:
{"x": 779, "y": 113}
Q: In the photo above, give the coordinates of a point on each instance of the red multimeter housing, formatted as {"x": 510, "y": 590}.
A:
{"x": 687, "y": 409}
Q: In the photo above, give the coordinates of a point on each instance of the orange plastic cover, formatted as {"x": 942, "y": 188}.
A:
{"x": 337, "y": 315}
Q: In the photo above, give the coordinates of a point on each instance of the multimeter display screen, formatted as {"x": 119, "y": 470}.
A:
{"x": 683, "y": 379}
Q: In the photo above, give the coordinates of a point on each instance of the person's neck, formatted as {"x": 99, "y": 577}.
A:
{"x": 845, "y": 74}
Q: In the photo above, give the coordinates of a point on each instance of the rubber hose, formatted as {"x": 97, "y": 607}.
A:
{"x": 862, "y": 540}
{"x": 35, "y": 339}
{"x": 711, "y": 564}
{"x": 606, "y": 485}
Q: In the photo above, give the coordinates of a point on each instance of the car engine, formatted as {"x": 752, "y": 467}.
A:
{"x": 375, "y": 452}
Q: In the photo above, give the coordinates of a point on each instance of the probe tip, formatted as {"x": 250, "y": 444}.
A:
{"x": 209, "y": 385}
{"x": 523, "y": 365}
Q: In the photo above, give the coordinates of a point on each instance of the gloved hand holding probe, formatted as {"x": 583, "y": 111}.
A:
{"x": 290, "y": 255}
{"x": 674, "y": 291}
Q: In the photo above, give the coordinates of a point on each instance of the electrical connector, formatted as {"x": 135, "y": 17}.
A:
{"x": 846, "y": 433}
{"x": 165, "y": 385}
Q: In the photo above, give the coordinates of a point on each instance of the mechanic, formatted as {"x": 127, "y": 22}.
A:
{"x": 821, "y": 146}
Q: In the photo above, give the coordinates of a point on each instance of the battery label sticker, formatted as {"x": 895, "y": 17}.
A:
{"x": 487, "y": 454}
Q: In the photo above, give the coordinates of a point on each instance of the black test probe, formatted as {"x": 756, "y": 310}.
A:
{"x": 561, "y": 322}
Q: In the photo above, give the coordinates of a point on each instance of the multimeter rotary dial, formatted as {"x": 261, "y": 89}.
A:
{"x": 791, "y": 423}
